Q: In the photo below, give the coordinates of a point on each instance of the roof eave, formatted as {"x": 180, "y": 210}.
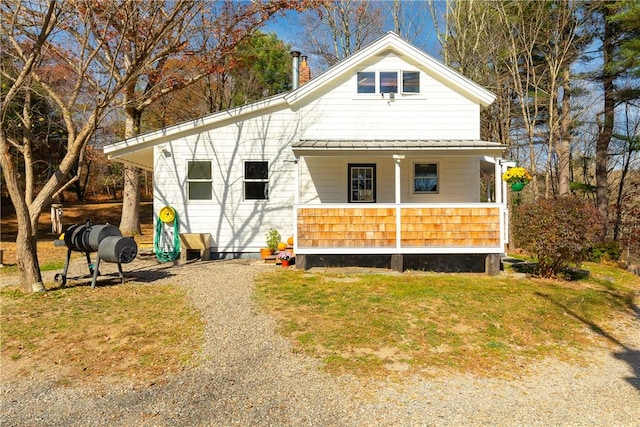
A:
{"x": 150, "y": 139}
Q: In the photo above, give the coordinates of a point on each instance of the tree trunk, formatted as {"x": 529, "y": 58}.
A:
{"x": 27, "y": 258}
{"x": 26, "y": 248}
{"x": 605, "y": 127}
{"x": 130, "y": 219}
{"x": 563, "y": 147}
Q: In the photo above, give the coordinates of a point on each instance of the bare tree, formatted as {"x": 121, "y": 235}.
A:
{"x": 46, "y": 40}
{"x": 520, "y": 51}
{"x": 338, "y": 28}
{"x": 411, "y": 19}
{"x": 27, "y": 29}
{"x": 88, "y": 56}
{"x": 560, "y": 48}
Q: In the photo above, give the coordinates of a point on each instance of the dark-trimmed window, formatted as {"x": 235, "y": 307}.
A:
{"x": 425, "y": 178}
{"x": 199, "y": 182}
{"x": 362, "y": 183}
{"x": 256, "y": 180}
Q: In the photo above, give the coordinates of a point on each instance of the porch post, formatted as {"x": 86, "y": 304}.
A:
{"x": 296, "y": 203}
{"x": 296, "y": 181}
{"x": 498, "y": 180}
{"x": 398, "y": 158}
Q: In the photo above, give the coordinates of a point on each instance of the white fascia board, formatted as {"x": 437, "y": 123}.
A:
{"x": 395, "y": 43}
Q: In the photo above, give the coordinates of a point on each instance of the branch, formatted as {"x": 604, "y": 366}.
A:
{"x": 48, "y": 25}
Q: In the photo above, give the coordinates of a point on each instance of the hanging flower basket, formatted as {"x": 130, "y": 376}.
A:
{"x": 517, "y": 178}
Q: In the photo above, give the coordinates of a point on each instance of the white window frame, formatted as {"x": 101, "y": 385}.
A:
{"x": 413, "y": 177}
{"x": 199, "y": 180}
{"x": 404, "y": 92}
{"x": 379, "y": 87}
{"x": 375, "y": 83}
{"x": 399, "y": 83}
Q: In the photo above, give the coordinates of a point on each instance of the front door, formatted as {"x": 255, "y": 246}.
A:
{"x": 362, "y": 183}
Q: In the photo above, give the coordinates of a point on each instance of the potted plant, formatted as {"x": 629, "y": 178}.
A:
{"x": 284, "y": 257}
{"x": 273, "y": 238}
{"x": 517, "y": 178}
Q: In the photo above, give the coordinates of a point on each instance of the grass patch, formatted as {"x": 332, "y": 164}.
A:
{"x": 52, "y": 266}
{"x": 374, "y": 324}
{"x": 115, "y": 332}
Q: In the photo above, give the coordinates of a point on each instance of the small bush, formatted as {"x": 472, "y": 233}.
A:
{"x": 608, "y": 250}
{"x": 558, "y": 232}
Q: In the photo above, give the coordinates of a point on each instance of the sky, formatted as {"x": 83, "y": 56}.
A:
{"x": 289, "y": 28}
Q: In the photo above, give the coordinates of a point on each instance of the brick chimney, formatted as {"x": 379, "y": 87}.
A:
{"x": 305, "y": 71}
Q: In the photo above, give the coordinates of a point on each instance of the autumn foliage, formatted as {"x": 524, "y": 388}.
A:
{"x": 558, "y": 232}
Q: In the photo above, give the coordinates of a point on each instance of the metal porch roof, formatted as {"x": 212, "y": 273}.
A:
{"x": 398, "y": 145}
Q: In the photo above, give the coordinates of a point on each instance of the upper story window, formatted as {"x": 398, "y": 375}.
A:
{"x": 407, "y": 82}
{"x": 199, "y": 181}
{"x": 410, "y": 82}
{"x": 256, "y": 180}
{"x": 388, "y": 82}
{"x": 367, "y": 82}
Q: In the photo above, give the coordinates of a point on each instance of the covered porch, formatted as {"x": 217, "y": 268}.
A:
{"x": 399, "y": 220}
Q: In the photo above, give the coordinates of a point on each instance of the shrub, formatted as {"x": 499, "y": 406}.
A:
{"x": 273, "y": 238}
{"x": 608, "y": 250}
{"x": 558, "y": 232}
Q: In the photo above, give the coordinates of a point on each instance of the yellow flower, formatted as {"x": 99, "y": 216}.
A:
{"x": 517, "y": 174}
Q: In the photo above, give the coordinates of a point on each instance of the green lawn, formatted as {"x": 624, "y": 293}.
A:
{"x": 376, "y": 324}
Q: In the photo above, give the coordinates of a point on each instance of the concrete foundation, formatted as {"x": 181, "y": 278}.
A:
{"x": 445, "y": 263}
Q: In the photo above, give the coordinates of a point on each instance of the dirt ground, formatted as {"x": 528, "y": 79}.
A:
{"x": 73, "y": 213}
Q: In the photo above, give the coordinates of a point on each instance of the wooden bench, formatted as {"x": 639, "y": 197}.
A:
{"x": 192, "y": 242}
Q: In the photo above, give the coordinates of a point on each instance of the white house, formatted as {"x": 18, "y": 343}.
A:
{"x": 380, "y": 155}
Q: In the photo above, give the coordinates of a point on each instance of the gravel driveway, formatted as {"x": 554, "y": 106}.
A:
{"x": 250, "y": 376}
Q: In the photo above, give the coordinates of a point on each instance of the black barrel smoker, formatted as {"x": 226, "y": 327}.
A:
{"x": 105, "y": 239}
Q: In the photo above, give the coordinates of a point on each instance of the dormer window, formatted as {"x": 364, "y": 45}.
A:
{"x": 381, "y": 82}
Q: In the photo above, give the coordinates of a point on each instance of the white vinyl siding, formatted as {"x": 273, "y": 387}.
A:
{"x": 438, "y": 112}
{"x": 235, "y": 224}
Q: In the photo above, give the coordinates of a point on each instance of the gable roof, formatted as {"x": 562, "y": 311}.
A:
{"x": 392, "y": 42}
{"x": 138, "y": 150}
